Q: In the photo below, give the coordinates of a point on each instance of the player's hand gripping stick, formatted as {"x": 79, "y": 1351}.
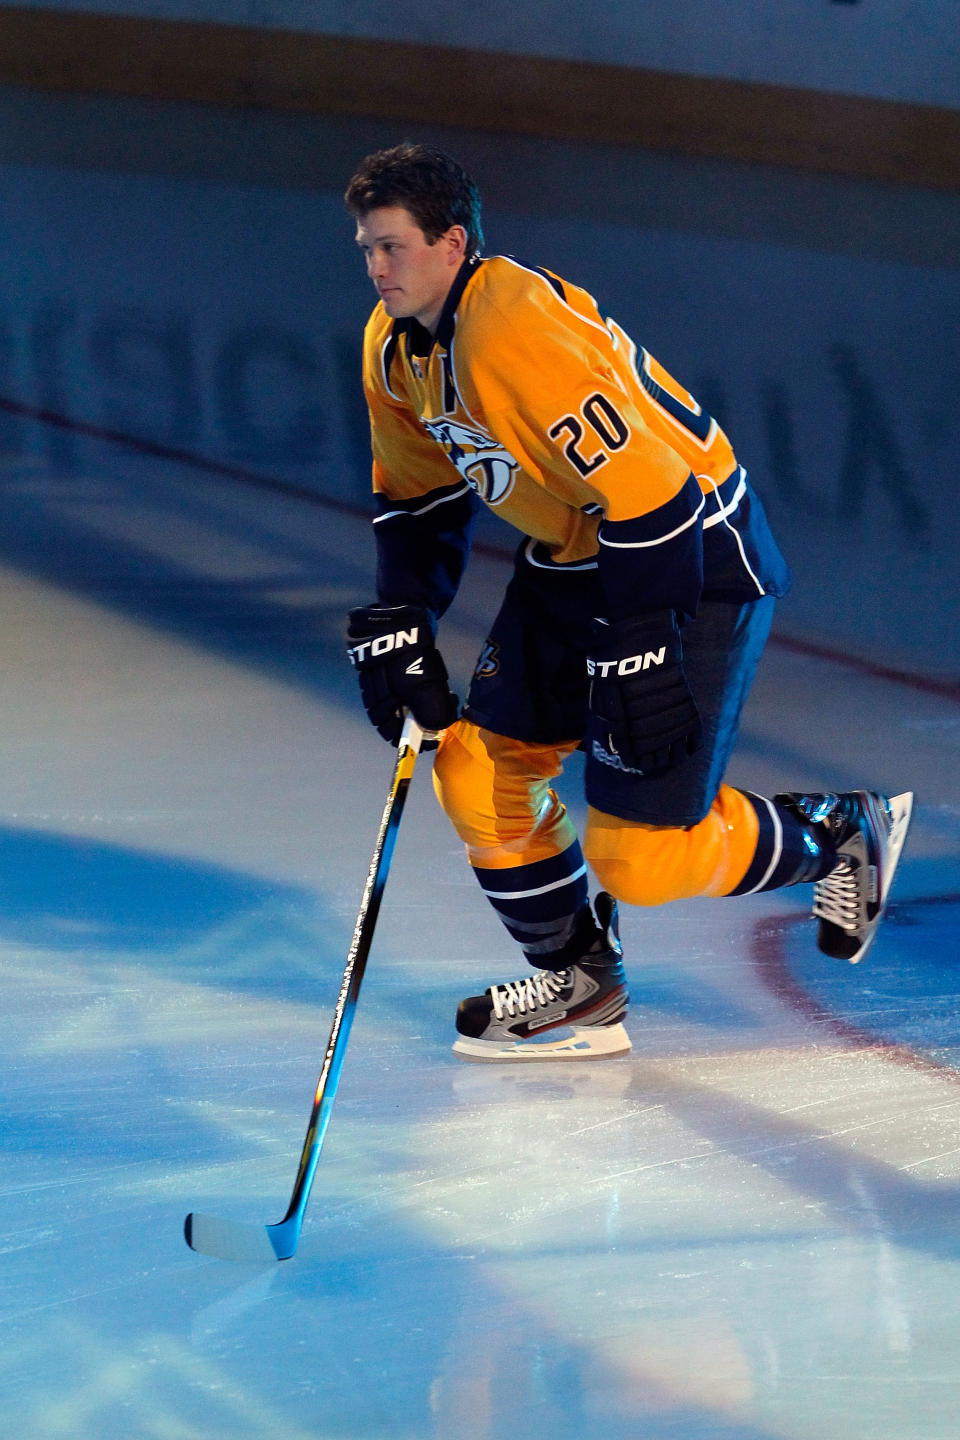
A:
{"x": 644, "y": 715}
{"x": 393, "y": 648}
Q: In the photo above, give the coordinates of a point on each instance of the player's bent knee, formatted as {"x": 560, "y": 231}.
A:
{"x": 631, "y": 881}
{"x": 461, "y": 784}
{"x": 651, "y": 864}
{"x": 496, "y": 793}
{"x": 484, "y": 801}
{"x": 638, "y": 864}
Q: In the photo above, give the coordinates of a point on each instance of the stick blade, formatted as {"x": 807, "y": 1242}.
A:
{"x": 231, "y": 1240}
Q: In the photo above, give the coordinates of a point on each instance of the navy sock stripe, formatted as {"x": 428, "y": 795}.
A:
{"x": 539, "y": 903}
{"x": 786, "y": 852}
{"x": 535, "y": 876}
{"x": 769, "y": 851}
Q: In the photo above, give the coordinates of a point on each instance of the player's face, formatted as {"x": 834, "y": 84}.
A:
{"x": 412, "y": 276}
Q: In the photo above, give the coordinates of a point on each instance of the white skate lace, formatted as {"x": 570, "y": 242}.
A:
{"x": 534, "y": 992}
{"x": 836, "y": 898}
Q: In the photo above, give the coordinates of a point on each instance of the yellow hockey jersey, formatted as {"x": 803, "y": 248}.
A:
{"x": 554, "y": 418}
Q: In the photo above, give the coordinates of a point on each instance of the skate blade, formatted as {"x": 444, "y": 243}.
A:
{"x": 901, "y": 807}
{"x": 584, "y": 1042}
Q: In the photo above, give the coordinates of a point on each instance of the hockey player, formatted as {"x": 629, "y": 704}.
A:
{"x": 638, "y": 607}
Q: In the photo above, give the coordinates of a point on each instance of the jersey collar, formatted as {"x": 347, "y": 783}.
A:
{"x": 448, "y": 315}
{"x": 419, "y": 340}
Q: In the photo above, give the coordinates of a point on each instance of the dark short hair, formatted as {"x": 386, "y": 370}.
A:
{"x": 434, "y": 188}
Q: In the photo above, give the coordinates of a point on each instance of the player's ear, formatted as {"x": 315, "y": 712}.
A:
{"x": 456, "y": 238}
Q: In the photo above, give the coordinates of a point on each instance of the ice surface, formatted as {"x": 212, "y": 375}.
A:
{"x": 746, "y": 1228}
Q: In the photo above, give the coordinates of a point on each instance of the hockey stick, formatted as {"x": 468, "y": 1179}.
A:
{"x": 259, "y": 1244}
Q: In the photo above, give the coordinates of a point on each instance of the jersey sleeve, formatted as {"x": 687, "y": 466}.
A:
{"x": 655, "y": 561}
{"x": 555, "y": 396}
{"x": 423, "y": 545}
{"x": 424, "y": 509}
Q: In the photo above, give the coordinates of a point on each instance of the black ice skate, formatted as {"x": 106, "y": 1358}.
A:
{"x": 866, "y": 832}
{"x": 571, "y": 1014}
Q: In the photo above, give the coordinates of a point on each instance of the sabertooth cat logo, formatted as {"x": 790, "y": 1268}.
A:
{"x": 485, "y": 465}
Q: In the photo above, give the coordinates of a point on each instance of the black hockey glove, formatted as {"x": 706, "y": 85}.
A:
{"x": 645, "y": 718}
{"x": 400, "y": 668}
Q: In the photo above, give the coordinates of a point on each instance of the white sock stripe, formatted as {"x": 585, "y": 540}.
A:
{"x": 777, "y": 843}
{"x": 540, "y": 889}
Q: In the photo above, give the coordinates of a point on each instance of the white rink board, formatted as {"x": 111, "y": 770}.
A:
{"x": 223, "y": 319}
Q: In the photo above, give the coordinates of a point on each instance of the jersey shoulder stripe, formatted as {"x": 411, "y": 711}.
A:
{"x": 552, "y": 280}
{"x": 586, "y": 313}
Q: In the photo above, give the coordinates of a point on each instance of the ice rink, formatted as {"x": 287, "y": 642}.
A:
{"x": 747, "y": 1229}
